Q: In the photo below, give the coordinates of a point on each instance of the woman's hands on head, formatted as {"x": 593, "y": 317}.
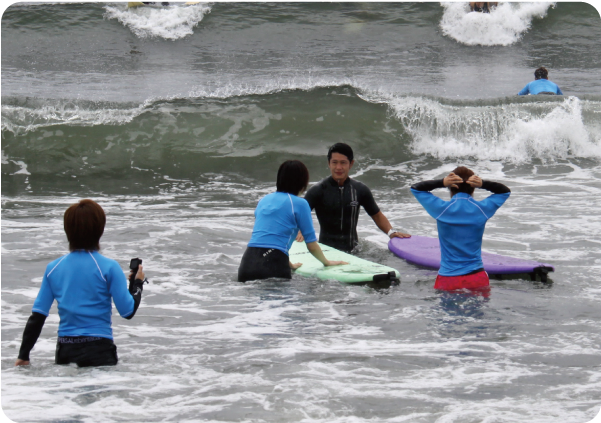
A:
{"x": 451, "y": 180}
{"x": 475, "y": 181}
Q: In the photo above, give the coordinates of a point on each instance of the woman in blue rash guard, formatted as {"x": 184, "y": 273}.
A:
{"x": 461, "y": 222}
{"x": 83, "y": 283}
{"x": 279, "y": 217}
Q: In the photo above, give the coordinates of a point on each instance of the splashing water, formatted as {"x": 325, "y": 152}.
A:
{"x": 504, "y": 25}
{"x": 510, "y": 132}
{"x": 169, "y": 22}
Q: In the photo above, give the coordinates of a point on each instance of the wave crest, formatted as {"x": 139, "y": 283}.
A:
{"x": 21, "y": 115}
{"x": 510, "y": 129}
{"x": 513, "y": 132}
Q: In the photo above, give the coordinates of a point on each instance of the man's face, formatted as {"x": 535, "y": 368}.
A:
{"x": 340, "y": 166}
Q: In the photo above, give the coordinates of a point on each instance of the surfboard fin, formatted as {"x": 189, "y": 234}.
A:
{"x": 542, "y": 272}
{"x": 385, "y": 277}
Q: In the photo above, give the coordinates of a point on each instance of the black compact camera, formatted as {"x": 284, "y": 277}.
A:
{"x": 134, "y": 264}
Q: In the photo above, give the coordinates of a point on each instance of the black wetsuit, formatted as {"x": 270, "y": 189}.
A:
{"x": 337, "y": 209}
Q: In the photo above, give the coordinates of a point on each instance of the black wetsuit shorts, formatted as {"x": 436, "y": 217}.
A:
{"x": 85, "y": 351}
{"x": 263, "y": 263}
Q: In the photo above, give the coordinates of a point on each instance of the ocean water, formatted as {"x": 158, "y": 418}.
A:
{"x": 175, "y": 120}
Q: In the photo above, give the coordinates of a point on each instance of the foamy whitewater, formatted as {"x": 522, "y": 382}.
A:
{"x": 176, "y": 118}
{"x": 504, "y": 25}
{"x": 170, "y": 22}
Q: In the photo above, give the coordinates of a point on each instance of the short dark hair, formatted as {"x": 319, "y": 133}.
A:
{"x": 464, "y": 173}
{"x": 541, "y": 73}
{"x": 84, "y": 225}
{"x": 293, "y": 177}
{"x": 341, "y": 148}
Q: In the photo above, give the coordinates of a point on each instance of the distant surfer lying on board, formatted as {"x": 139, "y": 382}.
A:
{"x": 279, "y": 217}
{"x": 153, "y": 3}
{"x": 541, "y": 85}
{"x": 461, "y": 223}
{"x": 482, "y": 6}
{"x": 338, "y": 199}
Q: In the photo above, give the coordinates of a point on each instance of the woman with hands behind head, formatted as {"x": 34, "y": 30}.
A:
{"x": 461, "y": 223}
{"x": 279, "y": 217}
{"x": 83, "y": 283}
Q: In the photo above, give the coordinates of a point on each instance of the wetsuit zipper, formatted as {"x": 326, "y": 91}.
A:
{"x": 353, "y": 216}
{"x": 341, "y": 206}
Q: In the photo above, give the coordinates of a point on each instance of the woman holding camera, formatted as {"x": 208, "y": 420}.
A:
{"x": 83, "y": 283}
{"x": 279, "y": 217}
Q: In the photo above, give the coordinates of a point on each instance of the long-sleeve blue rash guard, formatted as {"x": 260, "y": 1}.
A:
{"x": 540, "y": 86}
{"x": 279, "y": 216}
{"x": 461, "y": 223}
{"x": 83, "y": 284}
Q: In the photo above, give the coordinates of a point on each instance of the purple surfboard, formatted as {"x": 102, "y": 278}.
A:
{"x": 425, "y": 251}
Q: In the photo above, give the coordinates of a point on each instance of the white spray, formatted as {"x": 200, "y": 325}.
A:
{"x": 504, "y": 25}
{"x": 170, "y": 22}
{"x": 515, "y": 133}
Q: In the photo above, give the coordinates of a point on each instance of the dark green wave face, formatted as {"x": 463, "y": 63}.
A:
{"x": 55, "y": 142}
{"x": 189, "y": 138}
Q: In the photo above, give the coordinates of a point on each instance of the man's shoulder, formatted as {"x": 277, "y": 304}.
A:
{"x": 356, "y": 183}
{"x": 359, "y": 186}
{"x": 321, "y": 185}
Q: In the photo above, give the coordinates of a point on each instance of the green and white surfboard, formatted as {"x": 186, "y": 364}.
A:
{"x": 358, "y": 270}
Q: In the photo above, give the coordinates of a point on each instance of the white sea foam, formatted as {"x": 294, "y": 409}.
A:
{"x": 203, "y": 348}
{"x": 304, "y": 82}
{"x": 504, "y": 25}
{"x": 515, "y": 132}
{"x": 19, "y": 119}
{"x": 169, "y": 22}
{"x": 40, "y": 113}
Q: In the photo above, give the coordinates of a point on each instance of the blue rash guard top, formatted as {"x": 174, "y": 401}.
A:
{"x": 461, "y": 223}
{"x": 279, "y": 217}
{"x": 83, "y": 283}
{"x": 540, "y": 86}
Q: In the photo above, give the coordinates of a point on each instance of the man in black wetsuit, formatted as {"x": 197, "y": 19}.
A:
{"x": 337, "y": 201}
